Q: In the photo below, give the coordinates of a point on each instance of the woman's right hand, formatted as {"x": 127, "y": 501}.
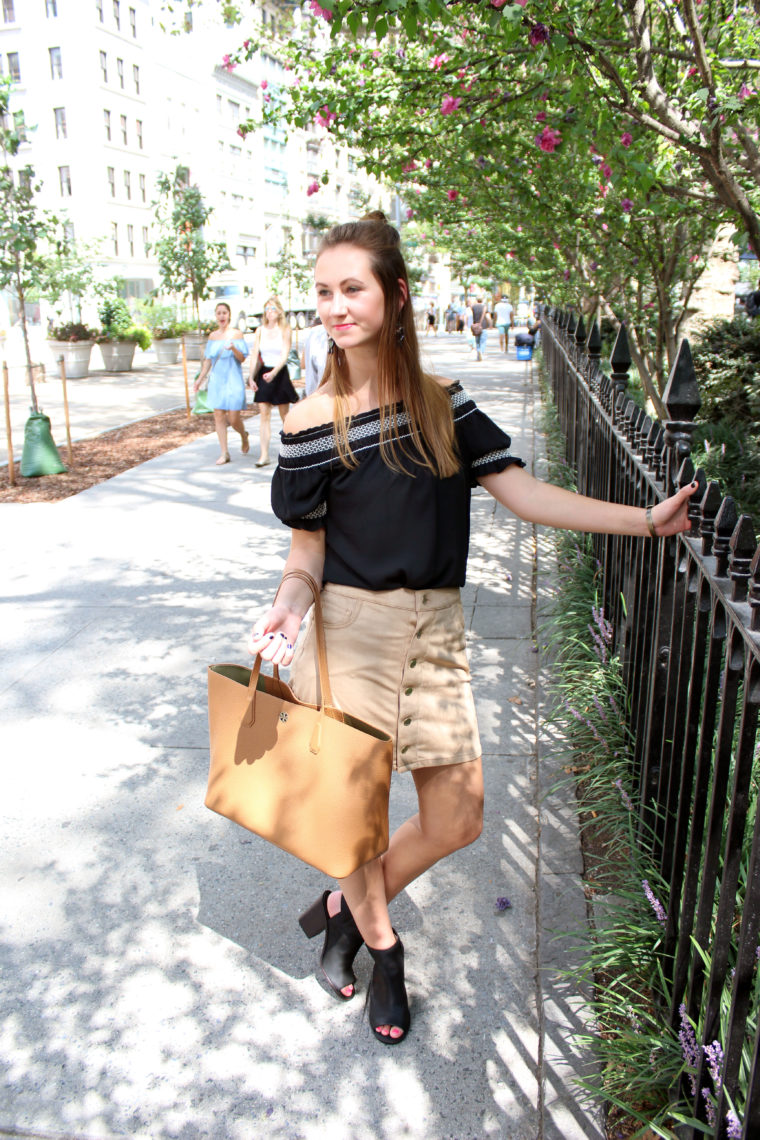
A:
{"x": 274, "y": 635}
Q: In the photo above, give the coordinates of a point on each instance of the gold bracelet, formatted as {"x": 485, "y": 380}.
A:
{"x": 650, "y": 522}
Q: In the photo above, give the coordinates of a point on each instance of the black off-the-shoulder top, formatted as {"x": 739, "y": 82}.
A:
{"x": 385, "y": 529}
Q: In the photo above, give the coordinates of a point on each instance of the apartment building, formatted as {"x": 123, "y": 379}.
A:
{"x": 111, "y": 97}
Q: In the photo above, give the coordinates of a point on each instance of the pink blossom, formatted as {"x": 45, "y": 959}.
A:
{"x": 605, "y": 227}
{"x": 544, "y": 97}
{"x": 428, "y": 163}
{"x": 438, "y": 61}
{"x": 449, "y": 105}
{"x": 539, "y": 34}
{"x": 264, "y": 84}
{"x": 541, "y": 117}
{"x": 556, "y": 245}
{"x": 548, "y": 140}
{"x": 692, "y": 71}
{"x": 409, "y": 214}
{"x": 532, "y": 257}
{"x": 452, "y": 195}
{"x": 228, "y": 63}
{"x": 498, "y": 3}
{"x": 267, "y": 97}
{"x": 626, "y": 139}
{"x": 318, "y": 10}
{"x": 745, "y": 91}
{"x": 626, "y": 205}
{"x": 312, "y": 188}
{"x": 325, "y": 117}
{"x": 566, "y": 275}
{"x": 519, "y": 229}
{"x": 522, "y": 3}
{"x": 247, "y": 44}
{"x": 242, "y": 132}
{"x": 410, "y": 166}
{"x": 606, "y": 170}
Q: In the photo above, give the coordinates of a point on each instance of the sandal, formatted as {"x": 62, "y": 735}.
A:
{"x": 245, "y": 446}
{"x": 342, "y": 943}
{"x": 223, "y": 459}
{"x": 262, "y": 463}
{"x": 388, "y": 1003}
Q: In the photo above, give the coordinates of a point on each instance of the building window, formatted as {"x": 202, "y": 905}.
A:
{"x": 51, "y": 8}
{"x": 104, "y": 66}
{"x": 133, "y": 22}
{"x": 136, "y": 77}
{"x": 25, "y": 179}
{"x": 188, "y": 21}
{"x": 64, "y": 180}
{"x": 142, "y": 188}
{"x": 56, "y": 66}
{"x": 99, "y": 9}
{"x": 115, "y": 238}
{"x": 123, "y": 121}
{"x": 131, "y": 240}
{"x": 117, "y": 13}
{"x": 128, "y": 185}
{"x": 19, "y": 125}
{"x": 138, "y": 125}
{"x": 234, "y": 110}
{"x": 60, "y": 122}
{"x": 236, "y": 151}
{"x": 14, "y": 67}
{"x": 245, "y": 251}
{"x": 145, "y": 239}
{"x": 107, "y": 124}
{"x": 120, "y": 72}
{"x": 9, "y": 14}
{"x": 112, "y": 181}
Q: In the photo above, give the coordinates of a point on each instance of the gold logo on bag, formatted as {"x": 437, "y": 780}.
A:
{"x": 283, "y": 717}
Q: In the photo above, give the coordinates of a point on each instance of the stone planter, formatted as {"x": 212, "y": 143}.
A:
{"x": 194, "y": 343}
{"x": 118, "y": 356}
{"x": 76, "y": 356}
{"x": 167, "y": 350}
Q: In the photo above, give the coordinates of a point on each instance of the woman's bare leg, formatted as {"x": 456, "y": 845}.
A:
{"x": 220, "y": 423}
{"x": 450, "y": 817}
{"x": 236, "y": 422}
{"x": 283, "y": 409}
{"x": 265, "y": 431}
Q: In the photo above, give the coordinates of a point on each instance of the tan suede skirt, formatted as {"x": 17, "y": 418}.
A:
{"x": 397, "y": 659}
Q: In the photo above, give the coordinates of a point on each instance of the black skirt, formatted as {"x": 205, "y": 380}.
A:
{"x": 278, "y": 390}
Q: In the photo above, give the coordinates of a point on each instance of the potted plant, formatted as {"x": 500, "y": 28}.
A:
{"x": 165, "y": 330}
{"x": 120, "y": 336}
{"x": 73, "y": 341}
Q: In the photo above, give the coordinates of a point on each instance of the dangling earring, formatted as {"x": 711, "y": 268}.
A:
{"x": 330, "y": 346}
{"x": 400, "y": 334}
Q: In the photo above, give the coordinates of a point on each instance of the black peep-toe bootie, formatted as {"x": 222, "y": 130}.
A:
{"x": 342, "y": 943}
{"x": 388, "y": 1004}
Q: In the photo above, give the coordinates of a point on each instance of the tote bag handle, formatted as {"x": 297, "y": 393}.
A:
{"x": 324, "y": 678}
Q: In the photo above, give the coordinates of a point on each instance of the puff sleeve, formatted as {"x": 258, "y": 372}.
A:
{"x": 483, "y": 447}
{"x": 301, "y": 481}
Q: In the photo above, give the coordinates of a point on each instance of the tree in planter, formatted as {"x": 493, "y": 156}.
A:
{"x": 186, "y": 261}
{"x": 24, "y": 230}
{"x": 68, "y": 272}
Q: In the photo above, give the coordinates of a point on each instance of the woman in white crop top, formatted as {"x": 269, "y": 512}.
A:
{"x": 269, "y": 375}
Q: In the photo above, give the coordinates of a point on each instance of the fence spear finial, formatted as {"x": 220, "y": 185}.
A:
{"x": 682, "y": 402}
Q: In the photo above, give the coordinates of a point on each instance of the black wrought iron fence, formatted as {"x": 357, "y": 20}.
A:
{"x": 686, "y": 612}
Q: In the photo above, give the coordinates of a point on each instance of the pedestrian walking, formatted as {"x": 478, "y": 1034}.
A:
{"x": 223, "y": 355}
{"x": 478, "y": 326}
{"x": 431, "y": 321}
{"x": 269, "y": 376}
{"x": 314, "y": 356}
{"x": 374, "y": 478}
{"x": 505, "y": 316}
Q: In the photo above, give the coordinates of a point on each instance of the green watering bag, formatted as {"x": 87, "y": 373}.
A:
{"x": 40, "y": 455}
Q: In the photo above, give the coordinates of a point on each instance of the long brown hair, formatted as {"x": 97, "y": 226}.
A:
{"x": 400, "y": 377}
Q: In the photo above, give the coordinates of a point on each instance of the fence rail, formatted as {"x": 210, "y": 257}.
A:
{"x": 686, "y": 612}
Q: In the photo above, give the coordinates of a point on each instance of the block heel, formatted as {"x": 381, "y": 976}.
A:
{"x": 341, "y": 945}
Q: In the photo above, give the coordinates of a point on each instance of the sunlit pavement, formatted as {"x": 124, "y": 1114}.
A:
{"x": 155, "y": 981}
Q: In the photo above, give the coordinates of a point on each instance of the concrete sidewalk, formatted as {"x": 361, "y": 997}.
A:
{"x": 155, "y": 981}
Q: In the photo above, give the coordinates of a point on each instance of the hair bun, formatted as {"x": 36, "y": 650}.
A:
{"x": 376, "y": 216}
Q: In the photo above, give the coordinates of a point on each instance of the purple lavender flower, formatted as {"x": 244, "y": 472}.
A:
{"x": 656, "y": 905}
{"x": 689, "y": 1047}
{"x": 627, "y": 802}
{"x": 733, "y": 1126}
{"x": 503, "y": 904}
{"x": 709, "y": 1106}
{"x": 599, "y": 707}
{"x": 714, "y": 1054}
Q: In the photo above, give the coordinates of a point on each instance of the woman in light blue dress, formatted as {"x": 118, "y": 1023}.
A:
{"x": 225, "y": 351}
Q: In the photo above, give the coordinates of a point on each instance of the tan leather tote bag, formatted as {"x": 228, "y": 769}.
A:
{"x": 311, "y": 779}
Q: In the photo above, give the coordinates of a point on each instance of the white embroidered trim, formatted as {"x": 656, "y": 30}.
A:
{"x": 490, "y": 456}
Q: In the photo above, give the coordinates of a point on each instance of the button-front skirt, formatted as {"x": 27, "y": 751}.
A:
{"x": 397, "y": 659}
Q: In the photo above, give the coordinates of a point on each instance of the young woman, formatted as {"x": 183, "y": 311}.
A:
{"x": 374, "y": 478}
{"x": 224, "y": 353}
{"x": 269, "y": 375}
